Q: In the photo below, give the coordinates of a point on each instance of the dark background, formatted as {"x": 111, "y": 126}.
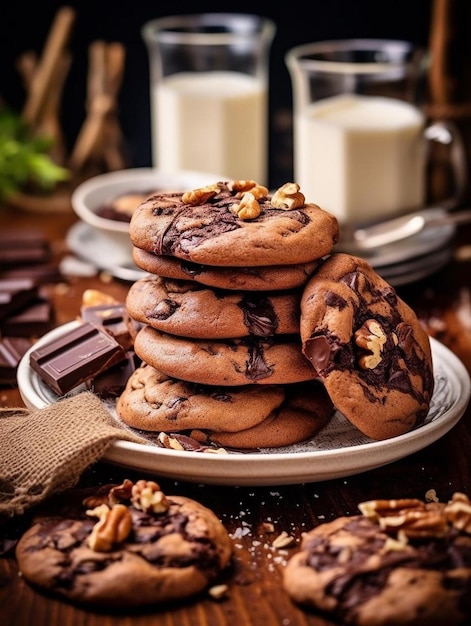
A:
{"x": 26, "y": 28}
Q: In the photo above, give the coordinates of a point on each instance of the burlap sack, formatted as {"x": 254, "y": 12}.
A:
{"x": 45, "y": 451}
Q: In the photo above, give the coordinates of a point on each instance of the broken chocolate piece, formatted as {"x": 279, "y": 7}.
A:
{"x": 76, "y": 357}
{"x": 15, "y": 294}
{"x": 34, "y": 320}
{"x": 23, "y": 247}
{"x": 114, "y": 319}
{"x": 12, "y": 350}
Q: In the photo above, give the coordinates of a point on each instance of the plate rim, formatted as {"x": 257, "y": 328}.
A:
{"x": 153, "y": 459}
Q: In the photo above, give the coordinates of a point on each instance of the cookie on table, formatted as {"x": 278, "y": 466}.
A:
{"x": 305, "y": 411}
{"x": 126, "y": 546}
{"x": 235, "y": 224}
{"x": 270, "y": 278}
{"x": 153, "y": 401}
{"x": 402, "y": 562}
{"x": 243, "y": 361}
{"x": 368, "y": 346}
{"x": 188, "y": 309}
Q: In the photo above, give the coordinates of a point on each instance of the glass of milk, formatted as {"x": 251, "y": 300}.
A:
{"x": 209, "y": 93}
{"x": 360, "y": 146}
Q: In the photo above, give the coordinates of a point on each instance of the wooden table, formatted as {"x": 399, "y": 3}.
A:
{"x": 255, "y": 598}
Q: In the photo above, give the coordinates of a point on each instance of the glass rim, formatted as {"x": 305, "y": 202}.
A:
{"x": 302, "y": 55}
{"x": 240, "y": 27}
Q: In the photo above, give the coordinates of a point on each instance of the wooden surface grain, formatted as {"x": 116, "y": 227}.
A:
{"x": 255, "y": 596}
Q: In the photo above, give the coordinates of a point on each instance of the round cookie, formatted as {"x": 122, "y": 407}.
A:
{"x": 305, "y": 411}
{"x": 208, "y": 232}
{"x": 368, "y": 346}
{"x": 271, "y": 278}
{"x": 155, "y": 402}
{"x": 232, "y": 362}
{"x": 166, "y": 548}
{"x": 191, "y": 310}
{"x": 362, "y": 575}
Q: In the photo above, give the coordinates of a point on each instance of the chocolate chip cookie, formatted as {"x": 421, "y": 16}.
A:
{"x": 126, "y": 546}
{"x": 402, "y": 562}
{"x": 235, "y": 224}
{"x": 188, "y": 309}
{"x": 368, "y": 346}
{"x": 270, "y": 278}
{"x": 244, "y": 361}
{"x": 306, "y": 409}
{"x": 155, "y": 402}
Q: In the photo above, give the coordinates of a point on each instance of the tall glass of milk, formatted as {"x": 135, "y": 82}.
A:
{"x": 209, "y": 93}
{"x": 359, "y": 146}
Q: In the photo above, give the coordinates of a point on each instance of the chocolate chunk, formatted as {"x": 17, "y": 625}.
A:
{"x": 15, "y": 294}
{"x": 34, "y": 320}
{"x": 114, "y": 319}
{"x": 76, "y": 357}
{"x": 40, "y": 273}
{"x": 12, "y": 350}
{"x": 111, "y": 383}
{"x": 23, "y": 247}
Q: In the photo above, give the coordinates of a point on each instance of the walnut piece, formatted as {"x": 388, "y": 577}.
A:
{"x": 241, "y": 186}
{"x": 201, "y": 195}
{"x": 288, "y": 197}
{"x": 458, "y": 512}
{"x": 147, "y": 496}
{"x": 407, "y": 517}
{"x": 113, "y": 527}
{"x": 121, "y": 493}
{"x": 370, "y": 337}
{"x": 248, "y": 208}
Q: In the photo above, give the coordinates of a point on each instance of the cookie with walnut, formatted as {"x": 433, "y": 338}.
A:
{"x": 368, "y": 347}
{"x": 125, "y": 546}
{"x": 402, "y": 562}
{"x": 235, "y": 224}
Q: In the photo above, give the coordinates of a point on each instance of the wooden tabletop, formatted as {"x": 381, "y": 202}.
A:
{"x": 255, "y": 596}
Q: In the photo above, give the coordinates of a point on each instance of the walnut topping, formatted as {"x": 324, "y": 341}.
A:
{"x": 370, "y": 337}
{"x": 241, "y": 186}
{"x": 201, "y": 195}
{"x": 458, "y": 512}
{"x": 147, "y": 496}
{"x": 288, "y": 197}
{"x": 113, "y": 527}
{"x": 406, "y": 517}
{"x": 121, "y": 493}
{"x": 248, "y": 208}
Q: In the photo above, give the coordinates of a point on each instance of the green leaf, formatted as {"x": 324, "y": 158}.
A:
{"x": 24, "y": 159}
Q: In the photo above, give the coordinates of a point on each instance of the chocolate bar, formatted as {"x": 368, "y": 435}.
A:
{"x": 12, "y": 350}
{"x": 41, "y": 273}
{"x": 76, "y": 357}
{"x": 15, "y": 293}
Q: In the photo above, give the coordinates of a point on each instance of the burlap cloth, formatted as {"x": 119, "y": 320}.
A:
{"x": 45, "y": 451}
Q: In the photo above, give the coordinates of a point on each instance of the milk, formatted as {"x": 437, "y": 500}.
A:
{"x": 360, "y": 157}
{"x": 213, "y": 122}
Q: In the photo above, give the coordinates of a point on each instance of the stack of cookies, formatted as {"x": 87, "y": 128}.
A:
{"x": 254, "y": 329}
{"x": 220, "y": 345}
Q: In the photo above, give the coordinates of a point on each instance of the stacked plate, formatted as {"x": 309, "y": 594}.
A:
{"x": 411, "y": 259}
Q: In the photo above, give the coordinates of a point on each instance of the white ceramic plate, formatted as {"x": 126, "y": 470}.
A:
{"x": 428, "y": 240}
{"x": 339, "y": 450}
{"x": 94, "y": 192}
{"x": 103, "y": 252}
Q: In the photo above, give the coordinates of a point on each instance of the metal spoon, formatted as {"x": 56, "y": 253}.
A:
{"x": 405, "y": 226}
